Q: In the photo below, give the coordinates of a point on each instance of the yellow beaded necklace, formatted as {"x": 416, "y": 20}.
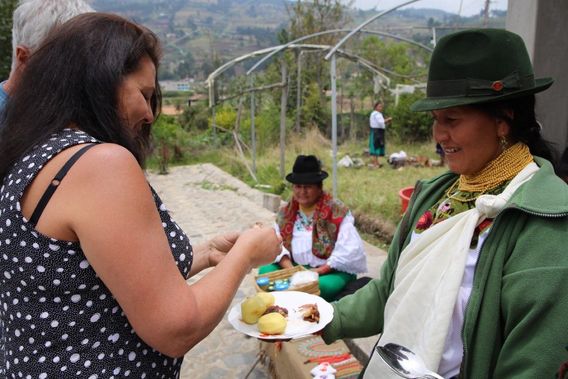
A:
{"x": 308, "y": 210}
{"x": 503, "y": 168}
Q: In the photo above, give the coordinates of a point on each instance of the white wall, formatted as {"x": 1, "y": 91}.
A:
{"x": 542, "y": 25}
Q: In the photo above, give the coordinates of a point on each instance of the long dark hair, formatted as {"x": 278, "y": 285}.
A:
{"x": 73, "y": 80}
{"x": 523, "y": 122}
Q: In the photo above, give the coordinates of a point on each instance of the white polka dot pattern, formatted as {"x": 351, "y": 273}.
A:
{"x": 57, "y": 318}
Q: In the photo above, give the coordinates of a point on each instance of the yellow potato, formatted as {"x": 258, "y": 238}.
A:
{"x": 267, "y": 297}
{"x": 252, "y": 308}
{"x": 272, "y": 323}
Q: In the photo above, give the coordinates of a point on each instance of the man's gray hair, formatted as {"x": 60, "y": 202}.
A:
{"x": 34, "y": 19}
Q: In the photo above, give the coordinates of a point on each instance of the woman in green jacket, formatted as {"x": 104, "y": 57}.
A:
{"x": 476, "y": 277}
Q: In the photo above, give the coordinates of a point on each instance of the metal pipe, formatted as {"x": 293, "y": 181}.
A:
{"x": 252, "y": 126}
{"x": 334, "y": 123}
{"x": 361, "y": 26}
{"x": 283, "y": 99}
{"x": 299, "y": 91}
{"x": 214, "y": 125}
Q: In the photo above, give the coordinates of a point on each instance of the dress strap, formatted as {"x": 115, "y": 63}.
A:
{"x": 55, "y": 183}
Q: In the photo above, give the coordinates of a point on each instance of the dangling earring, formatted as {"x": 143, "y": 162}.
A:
{"x": 503, "y": 142}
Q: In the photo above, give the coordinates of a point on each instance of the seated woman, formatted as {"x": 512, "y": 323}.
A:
{"x": 318, "y": 231}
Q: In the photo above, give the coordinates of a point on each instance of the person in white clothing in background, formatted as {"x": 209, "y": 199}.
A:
{"x": 377, "y": 137}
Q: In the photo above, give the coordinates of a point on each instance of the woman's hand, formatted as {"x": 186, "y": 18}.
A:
{"x": 209, "y": 253}
{"x": 323, "y": 269}
{"x": 286, "y": 262}
{"x": 219, "y": 246}
{"x": 261, "y": 245}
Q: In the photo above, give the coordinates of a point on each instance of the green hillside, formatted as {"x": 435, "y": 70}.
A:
{"x": 199, "y": 35}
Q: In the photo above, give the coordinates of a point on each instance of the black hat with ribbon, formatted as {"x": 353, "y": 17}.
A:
{"x": 479, "y": 66}
{"x": 306, "y": 170}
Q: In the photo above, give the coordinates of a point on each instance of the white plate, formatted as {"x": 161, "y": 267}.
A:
{"x": 296, "y": 327}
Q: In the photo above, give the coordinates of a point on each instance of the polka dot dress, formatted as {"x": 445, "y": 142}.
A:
{"x": 58, "y": 318}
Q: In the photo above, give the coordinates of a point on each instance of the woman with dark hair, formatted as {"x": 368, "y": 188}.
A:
{"x": 475, "y": 280}
{"x": 94, "y": 269}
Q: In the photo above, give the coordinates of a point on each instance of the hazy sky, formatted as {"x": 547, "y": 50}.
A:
{"x": 468, "y": 7}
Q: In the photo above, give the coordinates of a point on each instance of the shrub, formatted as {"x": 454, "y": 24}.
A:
{"x": 169, "y": 141}
{"x": 266, "y": 124}
{"x": 225, "y": 117}
{"x": 314, "y": 113}
{"x": 411, "y": 126}
{"x": 195, "y": 117}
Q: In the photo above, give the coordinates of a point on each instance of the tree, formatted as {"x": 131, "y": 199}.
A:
{"x": 6, "y": 10}
{"x": 309, "y": 17}
{"x": 169, "y": 139}
{"x": 316, "y": 16}
{"x": 411, "y": 126}
{"x": 313, "y": 112}
{"x": 406, "y": 61}
{"x": 186, "y": 66}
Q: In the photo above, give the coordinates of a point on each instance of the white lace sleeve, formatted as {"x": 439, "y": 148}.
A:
{"x": 284, "y": 250}
{"x": 348, "y": 254}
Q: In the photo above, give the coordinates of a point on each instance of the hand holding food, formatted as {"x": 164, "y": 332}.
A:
{"x": 261, "y": 245}
{"x": 219, "y": 246}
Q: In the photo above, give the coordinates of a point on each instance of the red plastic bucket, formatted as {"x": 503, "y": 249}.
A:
{"x": 404, "y": 195}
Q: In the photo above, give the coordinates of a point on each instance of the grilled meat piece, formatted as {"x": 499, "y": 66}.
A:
{"x": 276, "y": 309}
{"x": 310, "y": 312}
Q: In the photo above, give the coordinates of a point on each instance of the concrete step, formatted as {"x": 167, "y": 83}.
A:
{"x": 361, "y": 348}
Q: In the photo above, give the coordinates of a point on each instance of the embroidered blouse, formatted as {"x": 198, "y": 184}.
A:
{"x": 347, "y": 255}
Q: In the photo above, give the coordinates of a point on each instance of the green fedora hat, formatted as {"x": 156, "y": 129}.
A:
{"x": 479, "y": 66}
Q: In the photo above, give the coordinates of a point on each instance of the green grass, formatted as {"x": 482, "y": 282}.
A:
{"x": 376, "y": 192}
{"x": 207, "y": 185}
{"x": 369, "y": 191}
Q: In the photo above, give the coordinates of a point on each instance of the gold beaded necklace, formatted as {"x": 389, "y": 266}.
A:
{"x": 308, "y": 210}
{"x": 456, "y": 194}
{"x": 502, "y": 169}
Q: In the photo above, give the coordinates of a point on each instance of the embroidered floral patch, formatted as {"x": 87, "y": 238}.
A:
{"x": 425, "y": 221}
{"x": 450, "y": 206}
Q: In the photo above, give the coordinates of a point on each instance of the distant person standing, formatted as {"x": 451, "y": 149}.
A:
{"x": 377, "y": 137}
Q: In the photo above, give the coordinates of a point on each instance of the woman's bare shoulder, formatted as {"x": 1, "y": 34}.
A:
{"x": 108, "y": 174}
{"x": 110, "y": 153}
{"x": 109, "y": 160}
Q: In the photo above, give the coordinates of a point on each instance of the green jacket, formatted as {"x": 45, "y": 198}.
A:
{"x": 516, "y": 322}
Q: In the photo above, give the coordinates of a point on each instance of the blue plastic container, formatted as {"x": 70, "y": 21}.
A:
{"x": 262, "y": 282}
